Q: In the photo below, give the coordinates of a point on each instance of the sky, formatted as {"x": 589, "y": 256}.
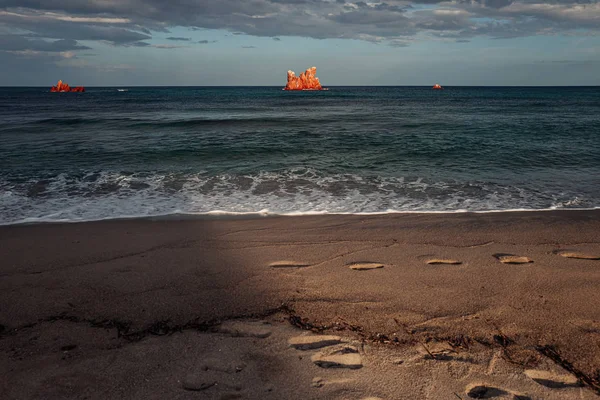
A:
{"x": 255, "y": 42}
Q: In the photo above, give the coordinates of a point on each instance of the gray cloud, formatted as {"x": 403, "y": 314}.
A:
{"x": 19, "y": 43}
{"x": 167, "y": 46}
{"x": 179, "y": 39}
{"x": 129, "y": 22}
{"x": 398, "y": 43}
{"x": 72, "y": 27}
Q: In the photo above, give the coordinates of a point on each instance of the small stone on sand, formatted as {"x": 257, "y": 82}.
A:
{"x": 436, "y": 261}
{"x": 338, "y": 357}
{"x": 317, "y": 382}
{"x": 365, "y": 266}
{"x": 196, "y": 382}
{"x": 510, "y": 259}
{"x": 288, "y": 264}
{"x": 309, "y": 342}
{"x": 581, "y": 256}
{"x": 255, "y": 329}
{"x": 552, "y": 380}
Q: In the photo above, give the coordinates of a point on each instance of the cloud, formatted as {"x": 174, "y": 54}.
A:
{"x": 207, "y": 41}
{"x": 248, "y": 47}
{"x": 138, "y": 44}
{"x": 167, "y": 46}
{"x": 570, "y": 62}
{"x": 24, "y": 43}
{"x": 59, "y": 26}
{"x": 126, "y": 22}
{"x": 398, "y": 43}
{"x": 180, "y": 39}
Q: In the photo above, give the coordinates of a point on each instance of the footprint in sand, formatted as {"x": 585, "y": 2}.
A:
{"x": 288, "y": 264}
{"x": 334, "y": 354}
{"x": 484, "y": 392}
{"x": 310, "y": 342}
{"x": 365, "y": 266}
{"x": 440, "y": 261}
{"x": 552, "y": 380}
{"x": 477, "y": 391}
{"x": 341, "y": 356}
{"x": 319, "y": 382}
{"x": 577, "y": 255}
{"x": 512, "y": 259}
{"x": 230, "y": 396}
{"x": 196, "y": 383}
{"x": 587, "y": 325}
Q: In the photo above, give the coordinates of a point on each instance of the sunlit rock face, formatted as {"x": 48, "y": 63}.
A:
{"x": 63, "y": 87}
{"x": 306, "y": 81}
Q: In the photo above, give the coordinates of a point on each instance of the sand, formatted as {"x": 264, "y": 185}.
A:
{"x": 220, "y": 308}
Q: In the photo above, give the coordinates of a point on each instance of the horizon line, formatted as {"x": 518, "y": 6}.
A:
{"x": 331, "y": 86}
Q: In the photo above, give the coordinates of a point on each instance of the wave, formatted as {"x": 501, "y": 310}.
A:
{"x": 242, "y": 120}
{"x": 298, "y": 191}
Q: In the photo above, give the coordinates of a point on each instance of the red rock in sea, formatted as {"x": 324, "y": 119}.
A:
{"x": 437, "y": 87}
{"x": 63, "y": 88}
{"x": 306, "y": 81}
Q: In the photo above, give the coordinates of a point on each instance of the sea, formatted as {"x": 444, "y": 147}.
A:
{"x": 193, "y": 151}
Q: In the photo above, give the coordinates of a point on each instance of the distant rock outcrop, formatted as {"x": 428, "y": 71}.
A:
{"x": 63, "y": 88}
{"x": 306, "y": 81}
{"x": 437, "y": 87}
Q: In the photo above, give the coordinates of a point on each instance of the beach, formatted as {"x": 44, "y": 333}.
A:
{"x": 420, "y": 306}
{"x": 184, "y": 217}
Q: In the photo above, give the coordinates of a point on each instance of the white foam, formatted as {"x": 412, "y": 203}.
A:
{"x": 263, "y": 214}
{"x": 293, "y": 192}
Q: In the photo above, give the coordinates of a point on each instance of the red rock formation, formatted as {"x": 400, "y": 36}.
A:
{"x": 437, "y": 87}
{"x": 63, "y": 87}
{"x": 306, "y": 80}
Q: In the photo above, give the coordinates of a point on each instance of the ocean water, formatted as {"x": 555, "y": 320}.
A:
{"x": 159, "y": 151}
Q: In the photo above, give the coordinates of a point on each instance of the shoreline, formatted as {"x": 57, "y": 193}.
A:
{"x": 232, "y": 215}
{"x": 131, "y": 308}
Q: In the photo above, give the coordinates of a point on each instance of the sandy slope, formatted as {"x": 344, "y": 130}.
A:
{"x": 135, "y": 309}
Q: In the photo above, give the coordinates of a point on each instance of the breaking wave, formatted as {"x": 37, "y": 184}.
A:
{"x": 101, "y": 195}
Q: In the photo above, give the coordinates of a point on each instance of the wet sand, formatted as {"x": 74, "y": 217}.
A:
{"x": 421, "y": 306}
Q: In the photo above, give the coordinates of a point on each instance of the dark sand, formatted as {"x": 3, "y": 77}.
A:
{"x": 141, "y": 308}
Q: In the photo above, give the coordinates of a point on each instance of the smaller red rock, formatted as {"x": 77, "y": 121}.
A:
{"x": 64, "y": 88}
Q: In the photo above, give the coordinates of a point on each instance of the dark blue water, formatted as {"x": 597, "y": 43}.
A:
{"x": 155, "y": 151}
